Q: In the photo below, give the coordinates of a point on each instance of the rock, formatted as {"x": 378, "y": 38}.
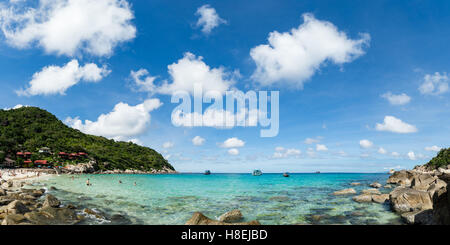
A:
{"x": 7, "y": 184}
{"x": 15, "y": 207}
{"x": 402, "y": 177}
{"x": 421, "y": 182}
{"x": 441, "y": 206}
{"x": 380, "y": 198}
{"x": 71, "y": 206}
{"x": 200, "y": 219}
{"x": 355, "y": 183}
{"x": 436, "y": 186}
{"x": 51, "y": 201}
{"x": 96, "y": 214}
{"x": 405, "y": 199}
{"x": 13, "y": 219}
{"x": 118, "y": 219}
{"x": 375, "y": 185}
{"x": 420, "y": 217}
{"x": 231, "y": 216}
{"x": 279, "y": 198}
{"x": 52, "y": 188}
{"x": 371, "y": 191}
{"x": 345, "y": 192}
{"x": 53, "y": 216}
{"x": 2, "y": 192}
{"x": 362, "y": 198}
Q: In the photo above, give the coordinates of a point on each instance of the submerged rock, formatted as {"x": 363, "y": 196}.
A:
{"x": 371, "y": 191}
{"x": 383, "y": 198}
{"x": 345, "y": 192}
{"x": 355, "y": 183}
{"x": 363, "y": 198}
{"x": 231, "y": 216}
{"x": 200, "y": 219}
{"x": 375, "y": 185}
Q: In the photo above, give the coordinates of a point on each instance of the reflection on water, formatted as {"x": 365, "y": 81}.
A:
{"x": 270, "y": 198}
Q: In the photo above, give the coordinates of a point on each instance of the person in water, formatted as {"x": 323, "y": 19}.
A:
{"x": 88, "y": 183}
{"x": 120, "y": 181}
{"x": 134, "y": 183}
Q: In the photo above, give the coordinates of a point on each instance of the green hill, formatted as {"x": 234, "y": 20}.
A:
{"x": 441, "y": 160}
{"x": 31, "y": 128}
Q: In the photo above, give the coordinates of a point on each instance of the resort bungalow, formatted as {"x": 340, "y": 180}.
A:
{"x": 24, "y": 154}
{"x": 19, "y": 154}
{"x": 63, "y": 155}
{"x": 73, "y": 155}
{"x": 82, "y": 154}
{"x": 44, "y": 150}
{"x": 42, "y": 163}
{"x": 27, "y": 162}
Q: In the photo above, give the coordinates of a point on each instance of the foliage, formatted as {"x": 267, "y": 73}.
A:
{"x": 31, "y": 128}
{"x": 441, "y": 160}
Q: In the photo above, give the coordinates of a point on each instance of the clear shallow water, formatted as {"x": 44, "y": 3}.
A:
{"x": 270, "y": 198}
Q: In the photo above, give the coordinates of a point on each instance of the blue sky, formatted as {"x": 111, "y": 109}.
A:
{"x": 373, "y": 62}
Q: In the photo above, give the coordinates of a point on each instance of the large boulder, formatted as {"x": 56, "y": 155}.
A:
{"x": 51, "y": 201}
{"x": 405, "y": 199}
{"x": 402, "y": 177}
{"x": 383, "y": 198}
{"x": 53, "y": 216}
{"x": 231, "y": 216}
{"x": 422, "y": 181}
{"x": 200, "y": 219}
{"x": 15, "y": 207}
{"x": 371, "y": 191}
{"x": 363, "y": 198}
{"x": 2, "y": 192}
{"x": 375, "y": 185}
{"x": 13, "y": 219}
{"x": 420, "y": 217}
{"x": 441, "y": 206}
{"x": 345, "y": 192}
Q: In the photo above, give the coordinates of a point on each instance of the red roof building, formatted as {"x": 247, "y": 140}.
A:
{"x": 19, "y": 153}
{"x": 44, "y": 162}
{"x": 27, "y": 161}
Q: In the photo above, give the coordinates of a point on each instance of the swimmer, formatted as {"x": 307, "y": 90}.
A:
{"x": 88, "y": 183}
{"x": 120, "y": 181}
{"x": 134, "y": 183}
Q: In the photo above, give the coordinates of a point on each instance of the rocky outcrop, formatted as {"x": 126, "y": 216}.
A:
{"x": 51, "y": 201}
{"x": 362, "y": 198}
{"x": 164, "y": 170}
{"x": 422, "y": 195}
{"x": 231, "y": 216}
{"x": 345, "y": 192}
{"x": 375, "y": 185}
{"x": 382, "y": 198}
{"x": 82, "y": 168}
{"x": 200, "y": 219}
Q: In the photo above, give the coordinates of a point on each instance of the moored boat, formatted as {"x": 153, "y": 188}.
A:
{"x": 257, "y": 172}
{"x": 286, "y": 174}
{"x": 207, "y": 172}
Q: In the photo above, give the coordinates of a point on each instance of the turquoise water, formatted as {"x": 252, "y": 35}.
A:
{"x": 270, "y": 198}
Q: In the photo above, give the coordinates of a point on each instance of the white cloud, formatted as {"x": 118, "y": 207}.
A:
{"x": 217, "y": 118}
{"x": 397, "y": 99}
{"x": 293, "y": 57}
{"x": 123, "y": 123}
{"x": 433, "y": 148}
{"x": 320, "y": 147}
{"x": 232, "y": 143}
{"x": 310, "y": 141}
{"x": 186, "y": 72}
{"x": 18, "y": 106}
{"x": 167, "y": 145}
{"x": 208, "y": 18}
{"x": 56, "y": 79}
{"x": 381, "y": 150}
{"x": 67, "y": 27}
{"x": 233, "y": 151}
{"x": 281, "y": 152}
{"x": 411, "y": 155}
{"x": 395, "y": 154}
{"x": 434, "y": 84}
{"x": 365, "y": 144}
{"x": 393, "y": 124}
{"x": 197, "y": 140}
{"x": 310, "y": 152}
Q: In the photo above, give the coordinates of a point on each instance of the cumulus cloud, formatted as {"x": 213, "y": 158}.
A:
{"x": 123, "y": 123}
{"x": 197, "y": 140}
{"x": 232, "y": 143}
{"x": 68, "y": 27}
{"x": 395, "y": 125}
{"x": 167, "y": 145}
{"x": 397, "y": 99}
{"x": 281, "y": 152}
{"x": 411, "y": 155}
{"x": 310, "y": 141}
{"x": 434, "y": 84}
{"x": 186, "y": 72}
{"x": 208, "y": 18}
{"x": 365, "y": 144}
{"x": 381, "y": 150}
{"x": 233, "y": 151}
{"x": 293, "y": 57}
{"x": 18, "y": 106}
{"x": 57, "y": 79}
{"x": 395, "y": 154}
{"x": 433, "y": 148}
{"x": 320, "y": 147}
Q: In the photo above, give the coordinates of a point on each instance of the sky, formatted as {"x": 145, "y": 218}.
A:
{"x": 363, "y": 85}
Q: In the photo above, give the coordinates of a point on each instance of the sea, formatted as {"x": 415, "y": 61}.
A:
{"x": 302, "y": 198}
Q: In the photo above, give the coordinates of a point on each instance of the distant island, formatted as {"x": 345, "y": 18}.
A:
{"x": 33, "y": 137}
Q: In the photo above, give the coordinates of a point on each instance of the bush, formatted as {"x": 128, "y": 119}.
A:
{"x": 441, "y": 160}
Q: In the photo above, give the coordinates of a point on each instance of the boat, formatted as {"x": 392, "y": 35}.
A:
{"x": 207, "y": 172}
{"x": 286, "y": 174}
{"x": 257, "y": 173}
{"x": 317, "y": 172}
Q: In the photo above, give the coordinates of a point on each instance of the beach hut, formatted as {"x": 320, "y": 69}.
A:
{"x": 19, "y": 154}
{"x": 73, "y": 155}
{"x": 44, "y": 150}
{"x": 82, "y": 154}
{"x": 63, "y": 155}
{"x": 41, "y": 163}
